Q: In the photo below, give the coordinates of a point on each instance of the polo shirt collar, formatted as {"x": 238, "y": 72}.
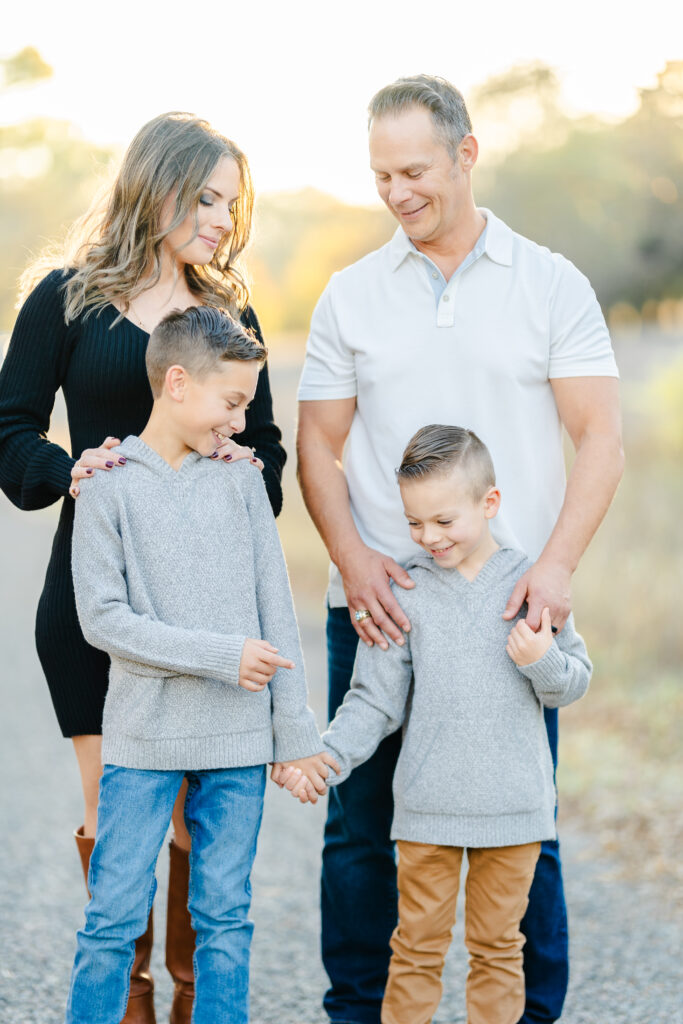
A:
{"x": 498, "y": 242}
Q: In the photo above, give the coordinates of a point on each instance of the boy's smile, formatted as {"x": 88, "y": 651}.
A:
{"x": 448, "y": 522}
{"x": 214, "y": 407}
{"x": 197, "y": 413}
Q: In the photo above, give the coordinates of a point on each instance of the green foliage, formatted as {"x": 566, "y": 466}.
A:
{"x": 608, "y": 197}
{"x": 664, "y": 403}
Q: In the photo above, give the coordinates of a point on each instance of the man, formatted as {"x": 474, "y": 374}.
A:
{"x": 456, "y": 320}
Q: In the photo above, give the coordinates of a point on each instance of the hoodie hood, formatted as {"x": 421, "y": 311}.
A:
{"x": 499, "y": 564}
{"x": 135, "y": 450}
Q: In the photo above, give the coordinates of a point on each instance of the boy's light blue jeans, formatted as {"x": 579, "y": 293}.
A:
{"x": 223, "y": 813}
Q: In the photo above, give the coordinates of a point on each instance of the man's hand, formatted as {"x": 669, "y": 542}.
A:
{"x": 259, "y": 663}
{"x": 366, "y": 574}
{"x": 524, "y": 646}
{"x": 305, "y": 777}
{"x": 544, "y": 585}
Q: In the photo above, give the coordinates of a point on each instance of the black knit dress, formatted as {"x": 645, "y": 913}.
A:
{"x": 102, "y": 374}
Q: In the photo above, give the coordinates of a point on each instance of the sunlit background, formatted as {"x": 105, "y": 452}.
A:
{"x": 579, "y": 113}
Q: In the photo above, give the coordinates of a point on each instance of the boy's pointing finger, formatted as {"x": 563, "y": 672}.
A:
{"x": 277, "y": 660}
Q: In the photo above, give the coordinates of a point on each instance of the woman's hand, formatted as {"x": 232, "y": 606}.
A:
{"x": 92, "y": 459}
{"x": 229, "y": 451}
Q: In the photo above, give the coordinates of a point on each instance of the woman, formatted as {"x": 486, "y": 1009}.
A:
{"x": 176, "y": 220}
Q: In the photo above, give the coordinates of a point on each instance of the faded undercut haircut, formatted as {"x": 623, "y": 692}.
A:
{"x": 199, "y": 339}
{"x": 443, "y": 101}
{"x": 439, "y": 449}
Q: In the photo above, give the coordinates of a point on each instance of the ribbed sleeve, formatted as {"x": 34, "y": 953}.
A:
{"x": 261, "y": 432}
{"x": 562, "y": 675}
{"x": 34, "y": 472}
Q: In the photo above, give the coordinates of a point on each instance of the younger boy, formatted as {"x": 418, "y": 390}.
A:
{"x": 180, "y": 577}
{"x": 475, "y": 771}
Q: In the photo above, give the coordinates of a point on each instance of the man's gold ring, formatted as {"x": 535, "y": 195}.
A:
{"x": 362, "y": 614}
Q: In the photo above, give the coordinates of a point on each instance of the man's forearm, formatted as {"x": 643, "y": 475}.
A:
{"x": 592, "y": 483}
{"x": 326, "y": 496}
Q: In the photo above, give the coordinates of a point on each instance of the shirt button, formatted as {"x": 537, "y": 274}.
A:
{"x": 446, "y": 298}
{"x": 434, "y": 275}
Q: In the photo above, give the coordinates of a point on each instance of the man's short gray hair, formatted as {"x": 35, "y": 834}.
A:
{"x": 443, "y": 101}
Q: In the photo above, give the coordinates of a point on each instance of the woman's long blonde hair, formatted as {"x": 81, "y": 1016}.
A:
{"x": 113, "y": 247}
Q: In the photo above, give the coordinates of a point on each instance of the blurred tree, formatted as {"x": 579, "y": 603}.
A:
{"x": 301, "y": 239}
{"x": 49, "y": 175}
{"x": 24, "y": 68}
{"x": 610, "y": 197}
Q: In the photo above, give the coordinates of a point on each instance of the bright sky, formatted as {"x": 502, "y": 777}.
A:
{"x": 290, "y": 81}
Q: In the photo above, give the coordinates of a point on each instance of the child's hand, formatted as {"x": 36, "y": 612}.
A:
{"x": 305, "y": 777}
{"x": 260, "y": 661}
{"x": 524, "y": 646}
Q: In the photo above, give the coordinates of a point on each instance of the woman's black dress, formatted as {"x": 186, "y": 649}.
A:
{"x": 102, "y": 374}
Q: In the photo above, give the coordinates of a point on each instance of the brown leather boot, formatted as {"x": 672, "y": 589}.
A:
{"x": 180, "y": 936}
{"x": 140, "y": 1009}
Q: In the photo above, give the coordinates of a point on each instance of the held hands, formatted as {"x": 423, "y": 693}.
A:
{"x": 366, "y": 574}
{"x": 544, "y": 585}
{"x": 524, "y": 646}
{"x": 259, "y": 663}
{"x": 92, "y": 459}
{"x": 305, "y": 777}
{"x": 230, "y": 451}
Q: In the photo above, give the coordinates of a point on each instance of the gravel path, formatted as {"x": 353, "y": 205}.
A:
{"x": 626, "y": 943}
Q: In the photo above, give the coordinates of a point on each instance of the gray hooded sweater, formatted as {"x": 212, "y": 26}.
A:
{"x": 475, "y": 767}
{"x": 173, "y": 570}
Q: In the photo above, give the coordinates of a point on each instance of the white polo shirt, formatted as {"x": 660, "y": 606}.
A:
{"x": 477, "y": 353}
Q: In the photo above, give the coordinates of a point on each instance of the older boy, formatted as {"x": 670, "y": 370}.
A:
{"x": 180, "y": 577}
{"x": 475, "y": 771}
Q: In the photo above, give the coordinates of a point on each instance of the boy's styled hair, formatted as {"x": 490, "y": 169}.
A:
{"x": 439, "y": 449}
{"x": 199, "y": 339}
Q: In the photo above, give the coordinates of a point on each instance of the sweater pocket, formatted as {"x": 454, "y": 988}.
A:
{"x": 487, "y": 770}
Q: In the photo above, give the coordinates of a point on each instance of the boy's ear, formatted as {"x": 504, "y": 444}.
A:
{"x": 175, "y": 382}
{"x": 491, "y": 502}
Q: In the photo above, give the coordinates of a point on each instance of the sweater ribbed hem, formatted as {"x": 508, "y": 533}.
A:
{"x": 295, "y": 738}
{"x": 189, "y": 753}
{"x": 473, "y": 830}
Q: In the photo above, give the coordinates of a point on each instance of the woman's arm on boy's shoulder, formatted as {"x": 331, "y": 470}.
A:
{"x": 561, "y": 673}
{"x": 295, "y": 733}
{"x": 107, "y": 620}
{"x": 373, "y": 708}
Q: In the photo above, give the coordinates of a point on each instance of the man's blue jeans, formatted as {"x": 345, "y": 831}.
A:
{"x": 358, "y": 887}
{"x": 223, "y": 813}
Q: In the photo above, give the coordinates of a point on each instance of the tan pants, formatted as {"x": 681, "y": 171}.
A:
{"x": 496, "y": 897}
